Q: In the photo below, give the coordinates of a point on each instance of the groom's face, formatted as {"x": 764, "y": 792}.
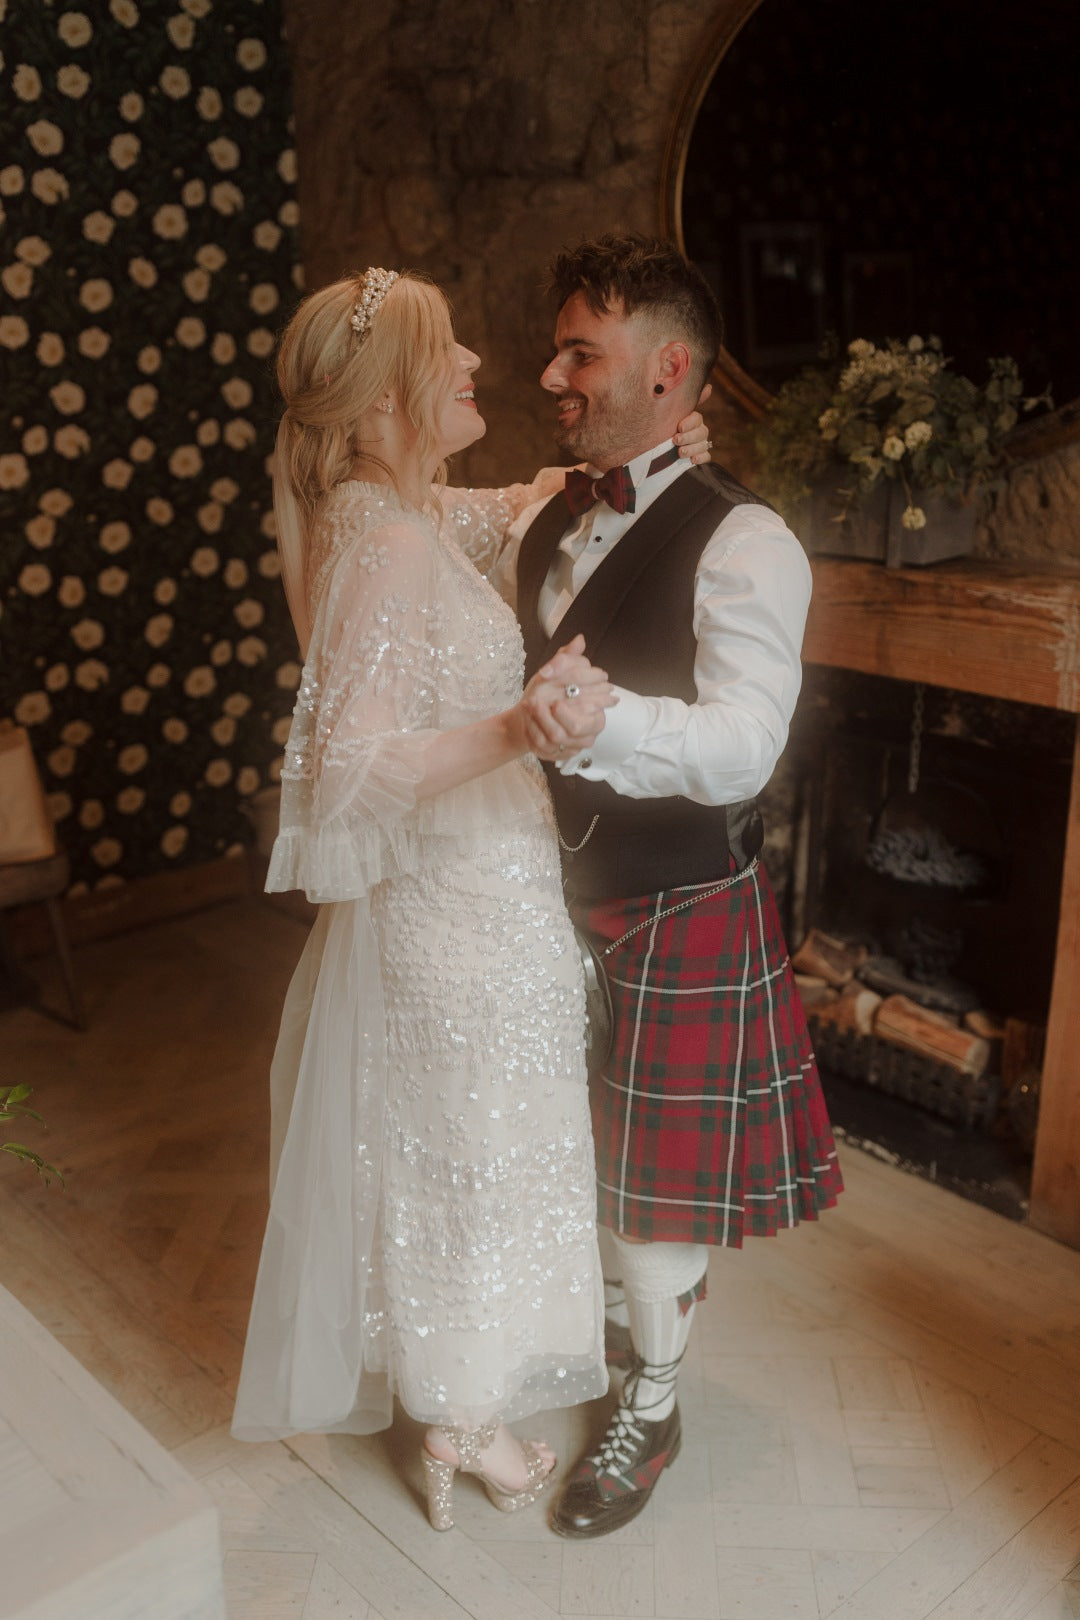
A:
{"x": 602, "y": 380}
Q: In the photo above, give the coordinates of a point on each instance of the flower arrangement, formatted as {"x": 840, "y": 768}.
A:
{"x": 897, "y": 412}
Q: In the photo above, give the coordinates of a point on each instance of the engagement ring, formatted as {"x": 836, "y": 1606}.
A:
{"x": 572, "y": 691}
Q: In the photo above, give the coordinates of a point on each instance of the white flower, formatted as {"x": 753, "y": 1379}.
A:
{"x": 50, "y": 349}
{"x": 180, "y": 803}
{"x": 14, "y": 471}
{"x": 60, "y": 805}
{"x": 124, "y": 204}
{"x": 223, "y": 348}
{"x": 40, "y": 531}
{"x": 218, "y": 772}
{"x": 236, "y": 392}
{"x": 915, "y": 344}
{"x": 226, "y": 198}
{"x": 239, "y": 433}
{"x": 116, "y": 474}
{"x": 46, "y": 138}
{"x": 158, "y": 675}
{"x": 174, "y": 840}
{"x": 251, "y": 54}
{"x": 221, "y": 652}
{"x": 209, "y": 103}
{"x": 170, "y": 221}
{"x": 72, "y": 591}
{"x": 61, "y": 761}
{"x": 185, "y": 461}
{"x": 135, "y": 700}
{"x": 131, "y": 106}
{"x": 181, "y": 31}
{"x": 91, "y": 813}
{"x": 288, "y": 676}
{"x": 35, "y": 440}
{"x": 248, "y": 101}
{"x": 223, "y": 731}
{"x": 159, "y": 511}
{"x": 33, "y": 250}
{"x": 149, "y": 359}
{"x": 32, "y": 708}
{"x": 141, "y": 449}
{"x": 916, "y": 434}
{"x": 74, "y": 29}
{"x": 209, "y": 517}
{"x": 17, "y": 279}
{"x": 76, "y": 732}
{"x": 142, "y": 400}
{"x": 893, "y": 447}
{"x": 126, "y": 12}
{"x": 174, "y": 730}
{"x": 158, "y": 629}
{"x": 56, "y": 501}
{"x": 95, "y": 294}
{"x": 112, "y": 581}
{"x": 26, "y": 82}
{"x": 210, "y": 256}
{"x": 72, "y": 81}
{"x": 205, "y": 561}
{"x": 114, "y": 537}
{"x": 35, "y": 579}
{"x": 279, "y": 731}
{"x": 289, "y": 212}
{"x": 193, "y": 194}
{"x": 199, "y": 681}
{"x": 223, "y": 153}
{"x": 14, "y": 331}
{"x": 68, "y": 398}
{"x": 860, "y": 349}
{"x": 196, "y": 285}
{"x": 130, "y": 800}
{"x": 133, "y": 758}
{"x": 263, "y": 297}
{"x": 98, "y": 226}
{"x": 57, "y": 677}
{"x": 913, "y": 517}
{"x": 70, "y": 441}
{"x": 93, "y": 342}
{"x": 165, "y": 592}
{"x": 266, "y": 235}
{"x": 190, "y": 332}
{"x": 124, "y": 150}
{"x": 142, "y": 272}
{"x": 88, "y": 634}
{"x": 196, "y": 8}
{"x": 227, "y": 489}
{"x": 251, "y": 650}
{"x": 11, "y": 181}
{"x": 175, "y": 82}
{"x": 208, "y": 431}
{"x": 249, "y": 613}
{"x": 247, "y": 781}
{"x": 237, "y": 704}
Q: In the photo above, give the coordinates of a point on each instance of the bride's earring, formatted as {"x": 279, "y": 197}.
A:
{"x": 385, "y": 406}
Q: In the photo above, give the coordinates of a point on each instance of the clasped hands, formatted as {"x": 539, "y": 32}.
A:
{"x": 564, "y": 705}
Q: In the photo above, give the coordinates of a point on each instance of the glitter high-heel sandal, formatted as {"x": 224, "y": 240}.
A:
{"x": 469, "y": 1443}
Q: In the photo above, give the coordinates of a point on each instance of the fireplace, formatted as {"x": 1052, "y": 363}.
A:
{"x": 1006, "y": 633}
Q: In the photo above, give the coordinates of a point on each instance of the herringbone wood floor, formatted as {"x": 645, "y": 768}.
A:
{"x": 881, "y": 1412}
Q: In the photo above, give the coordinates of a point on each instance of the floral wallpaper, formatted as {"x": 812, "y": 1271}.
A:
{"x": 148, "y": 254}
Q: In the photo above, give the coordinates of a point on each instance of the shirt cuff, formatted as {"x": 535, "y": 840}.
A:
{"x": 624, "y": 727}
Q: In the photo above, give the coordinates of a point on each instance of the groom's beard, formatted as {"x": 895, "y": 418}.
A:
{"x": 609, "y": 421}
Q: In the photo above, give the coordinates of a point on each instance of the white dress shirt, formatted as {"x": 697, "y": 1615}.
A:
{"x": 751, "y": 594}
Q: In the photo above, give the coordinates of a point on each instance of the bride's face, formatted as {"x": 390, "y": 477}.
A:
{"x": 457, "y": 421}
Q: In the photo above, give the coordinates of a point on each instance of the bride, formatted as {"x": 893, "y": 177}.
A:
{"x": 432, "y": 1222}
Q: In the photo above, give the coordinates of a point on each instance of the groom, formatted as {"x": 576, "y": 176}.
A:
{"x": 691, "y": 592}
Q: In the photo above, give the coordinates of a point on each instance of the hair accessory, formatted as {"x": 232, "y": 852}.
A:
{"x": 374, "y": 286}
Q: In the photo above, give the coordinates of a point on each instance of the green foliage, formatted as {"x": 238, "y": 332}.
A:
{"x": 13, "y": 1106}
{"x": 895, "y": 412}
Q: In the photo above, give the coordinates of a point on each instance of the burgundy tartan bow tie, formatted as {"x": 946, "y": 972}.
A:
{"x": 615, "y": 486}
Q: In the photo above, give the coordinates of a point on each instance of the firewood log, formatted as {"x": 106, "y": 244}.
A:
{"x": 823, "y": 957}
{"x": 813, "y": 992}
{"x": 854, "y": 1008}
{"x": 918, "y": 1029}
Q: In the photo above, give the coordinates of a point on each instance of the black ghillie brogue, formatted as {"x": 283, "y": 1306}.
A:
{"x": 607, "y": 1490}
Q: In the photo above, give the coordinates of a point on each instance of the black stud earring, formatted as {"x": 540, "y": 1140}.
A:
{"x": 659, "y": 389}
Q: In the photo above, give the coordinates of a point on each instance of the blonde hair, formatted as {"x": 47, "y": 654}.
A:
{"x": 330, "y": 377}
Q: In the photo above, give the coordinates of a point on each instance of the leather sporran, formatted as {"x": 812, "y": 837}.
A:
{"x": 599, "y": 1015}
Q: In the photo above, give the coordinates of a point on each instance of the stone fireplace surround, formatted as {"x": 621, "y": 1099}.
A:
{"x": 471, "y": 142}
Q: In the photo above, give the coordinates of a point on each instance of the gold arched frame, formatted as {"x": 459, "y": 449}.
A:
{"x": 1051, "y": 432}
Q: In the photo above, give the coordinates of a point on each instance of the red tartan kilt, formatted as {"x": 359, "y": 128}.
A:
{"x": 709, "y": 1118}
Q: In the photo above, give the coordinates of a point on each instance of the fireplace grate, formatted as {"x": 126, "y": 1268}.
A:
{"x": 968, "y": 1099}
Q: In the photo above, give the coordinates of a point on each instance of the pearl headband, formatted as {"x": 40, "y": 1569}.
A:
{"x": 374, "y": 286}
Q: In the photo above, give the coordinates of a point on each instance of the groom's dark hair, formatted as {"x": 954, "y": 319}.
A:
{"x": 643, "y": 273}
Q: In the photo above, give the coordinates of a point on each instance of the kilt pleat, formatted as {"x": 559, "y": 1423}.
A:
{"x": 709, "y": 1119}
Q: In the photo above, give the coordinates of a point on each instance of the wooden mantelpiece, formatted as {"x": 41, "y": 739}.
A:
{"x": 1004, "y": 631}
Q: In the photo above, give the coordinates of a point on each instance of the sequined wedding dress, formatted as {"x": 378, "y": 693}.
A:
{"x": 432, "y": 1222}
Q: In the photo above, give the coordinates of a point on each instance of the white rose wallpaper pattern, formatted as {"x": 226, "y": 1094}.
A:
{"x": 148, "y": 257}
